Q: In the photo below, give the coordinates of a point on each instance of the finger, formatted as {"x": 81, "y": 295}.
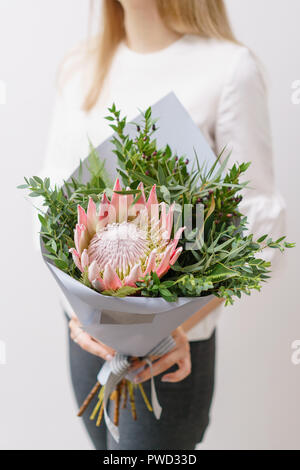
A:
{"x": 164, "y": 363}
{"x": 85, "y": 341}
{"x": 75, "y": 326}
{"x": 179, "y": 336}
{"x": 183, "y": 371}
{"x": 75, "y": 332}
{"x": 108, "y": 349}
{"x": 74, "y": 323}
{"x": 87, "y": 344}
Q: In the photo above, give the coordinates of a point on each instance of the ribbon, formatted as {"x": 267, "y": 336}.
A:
{"x": 113, "y": 371}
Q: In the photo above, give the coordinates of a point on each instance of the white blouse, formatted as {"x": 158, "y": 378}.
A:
{"x": 221, "y": 86}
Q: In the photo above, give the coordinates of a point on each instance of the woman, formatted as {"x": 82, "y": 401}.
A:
{"x": 146, "y": 49}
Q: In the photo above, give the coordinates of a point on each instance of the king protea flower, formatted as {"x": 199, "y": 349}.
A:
{"x": 121, "y": 242}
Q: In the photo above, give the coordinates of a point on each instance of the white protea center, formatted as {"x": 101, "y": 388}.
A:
{"x": 121, "y": 245}
{"x": 123, "y": 241}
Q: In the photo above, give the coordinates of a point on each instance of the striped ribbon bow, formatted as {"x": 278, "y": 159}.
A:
{"x": 115, "y": 370}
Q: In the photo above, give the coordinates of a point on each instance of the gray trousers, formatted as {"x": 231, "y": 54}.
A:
{"x": 185, "y": 404}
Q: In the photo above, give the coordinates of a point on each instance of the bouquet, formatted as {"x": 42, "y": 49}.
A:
{"x": 139, "y": 256}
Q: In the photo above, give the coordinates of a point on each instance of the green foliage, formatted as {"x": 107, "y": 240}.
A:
{"x": 152, "y": 286}
{"x": 225, "y": 259}
{"x": 96, "y": 167}
{"x": 59, "y": 218}
{"x": 122, "y": 292}
{"x": 141, "y": 160}
{"x": 226, "y": 270}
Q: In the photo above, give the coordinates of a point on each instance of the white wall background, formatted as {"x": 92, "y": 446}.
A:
{"x": 257, "y": 404}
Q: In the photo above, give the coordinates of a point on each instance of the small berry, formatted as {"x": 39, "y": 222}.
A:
{"x": 229, "y": 215}
{"x": 145, "y": 138}
{"x": 147, "y": 172}
{"x": 154, "y": 153}
{"x": 217, "y": 221}
{"x": 154, "y": 127}
{"x": 187, "y": 161}
{"x": 210, "y": 192}
{"x": 144, "y": 156}
{"x": 176, "y": 159}
{"x": 138, "y": 128}
{"x": 199, "y": 199}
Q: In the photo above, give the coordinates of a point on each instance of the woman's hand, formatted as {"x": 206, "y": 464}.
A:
{"x": 180, "y": 355}
{"x": 86, "y": 342}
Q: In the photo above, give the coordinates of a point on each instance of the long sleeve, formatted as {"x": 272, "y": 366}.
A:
{"x": 56, "y": 168}
{"x": 67, "y": 140}
{"x": 55, "y": 162}
{"x": 53, "y": 165}
{"x": 243, "y": 126}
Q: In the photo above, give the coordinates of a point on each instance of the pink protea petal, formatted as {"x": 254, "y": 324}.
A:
{"x": 152, "y": 206}
{"x": 111, "y": 279}
{"x": 104, "y": 209}
{"x": 102, "y": 223}
{"x": 124, "y": 203}
{"x": 139, "y": 206}
{"x": 105, "y": 199}
{"x": 116, "y": 197}
{"x": 77, "y": 236}
{"x": 175, "y": 256}
{"x": 93, "y": 271}
{"x": 84, "y": 259}
{"x": 92, "y": 218}
{"x": 169, "y": 220}
{"x": 98, "y": 284}
{"x": 129, "y": 197}
{"x": 165, "y": 262}
{"x": 177, "y": 237}
{"x": 142, "y": 219}
{"x": 163, "y": 216}
{"x": 81, "y": 238}
{"x": 151, "y": 262}
{"x": 152, "y": 199}
{"x": 76, "y": 258}
{"x": 81, "y": 215}
{"x": 142, "y": 199}
{"x": 134, "y": 276}
{"x": 112, "y": 217}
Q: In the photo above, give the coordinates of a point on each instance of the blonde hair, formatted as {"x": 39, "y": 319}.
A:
{"x": 206, "y": 18}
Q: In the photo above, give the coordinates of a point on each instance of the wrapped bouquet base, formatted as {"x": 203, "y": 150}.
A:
{"x": 130, "y": 325}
